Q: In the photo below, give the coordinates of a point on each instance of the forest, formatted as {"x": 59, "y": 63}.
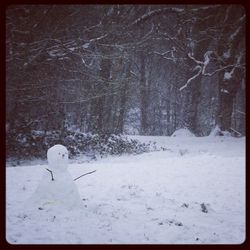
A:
{"x": 147, "y": 104}
{"x": 123, "y": 70}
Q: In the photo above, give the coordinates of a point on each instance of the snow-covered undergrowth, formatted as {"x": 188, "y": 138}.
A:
{"x": 86, "y": 146}
{"x": 193, "y": 192}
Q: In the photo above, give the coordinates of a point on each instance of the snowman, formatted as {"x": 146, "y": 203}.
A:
{"x": 56, "y": 188}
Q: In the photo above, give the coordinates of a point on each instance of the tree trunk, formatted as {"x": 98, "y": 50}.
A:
{"x": 123, "y": 100}
{"x": 143, "y": 98}
{"x": 227, "y": 93}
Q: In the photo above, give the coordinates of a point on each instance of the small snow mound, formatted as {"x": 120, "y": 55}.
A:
{"x": 183, "y": 132}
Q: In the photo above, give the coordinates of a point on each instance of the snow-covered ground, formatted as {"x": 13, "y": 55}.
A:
{"x": 193, "y": 192}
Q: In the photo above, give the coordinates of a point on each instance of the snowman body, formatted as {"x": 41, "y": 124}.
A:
{"x": 56, "y": 188}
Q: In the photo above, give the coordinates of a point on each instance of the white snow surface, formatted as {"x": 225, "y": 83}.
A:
{"x": 191, "y": 193}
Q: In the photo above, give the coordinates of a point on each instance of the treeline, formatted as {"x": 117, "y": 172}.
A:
{"x": 132, "y": 69}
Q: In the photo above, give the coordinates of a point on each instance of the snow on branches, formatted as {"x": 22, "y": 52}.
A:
{"x": 202, "y": 65}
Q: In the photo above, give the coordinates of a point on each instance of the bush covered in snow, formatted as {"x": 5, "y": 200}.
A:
{"x": 36, "y": 144}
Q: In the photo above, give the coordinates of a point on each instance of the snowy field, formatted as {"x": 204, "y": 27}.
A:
{"x": 192, "y": 193}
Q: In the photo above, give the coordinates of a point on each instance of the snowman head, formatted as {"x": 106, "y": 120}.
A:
{"x": 58, "y": 157}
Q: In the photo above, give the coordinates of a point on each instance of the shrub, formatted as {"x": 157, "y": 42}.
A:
{"x": 36, "y": 144}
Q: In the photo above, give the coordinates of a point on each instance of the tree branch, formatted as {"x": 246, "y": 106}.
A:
{"x": 84, "y": 174}
{"x": 192, "y": 78}
{"x": 52, "y": 178}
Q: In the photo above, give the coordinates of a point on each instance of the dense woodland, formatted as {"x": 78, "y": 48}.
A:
{"x": 125, "y": 69}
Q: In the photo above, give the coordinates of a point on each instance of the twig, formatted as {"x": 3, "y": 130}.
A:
{"x": 52, "y": 178}
{"x": 84, "y": 174}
